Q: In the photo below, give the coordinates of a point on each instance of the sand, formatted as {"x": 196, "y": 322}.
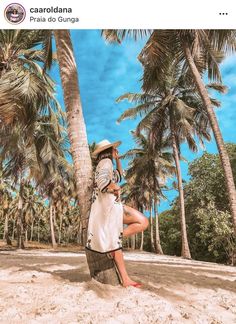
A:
{"x": 39, "y": 286}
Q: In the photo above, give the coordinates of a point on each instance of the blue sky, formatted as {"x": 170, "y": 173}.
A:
{"x": 107, "y": 71}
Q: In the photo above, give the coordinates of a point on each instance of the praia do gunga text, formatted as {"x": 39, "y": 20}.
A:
{"x": 54, "y": 19}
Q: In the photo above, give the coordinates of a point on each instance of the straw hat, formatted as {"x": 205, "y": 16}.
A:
{"x": 103, "y": 145}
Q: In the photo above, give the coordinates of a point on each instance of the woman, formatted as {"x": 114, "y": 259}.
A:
{"x": 108, "y": 214}
{"x": 14, "y": 16}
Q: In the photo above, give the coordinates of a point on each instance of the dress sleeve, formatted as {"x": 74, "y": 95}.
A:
{"x": 104, "y": 174}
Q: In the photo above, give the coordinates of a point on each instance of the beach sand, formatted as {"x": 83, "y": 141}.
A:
{"x": 38, "y": 286}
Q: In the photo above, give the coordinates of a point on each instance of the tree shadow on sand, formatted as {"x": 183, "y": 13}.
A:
{"x": 73, "y": 275}
{"x": 163, "y": 279}
{"x": 170, "y": 278}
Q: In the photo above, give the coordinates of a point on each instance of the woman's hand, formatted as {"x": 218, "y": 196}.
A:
{"x": 116, "y": 192}
{"x": 118, "y": 163}
{"x": 115, "y": 153}
{"x": 114, "y": 189}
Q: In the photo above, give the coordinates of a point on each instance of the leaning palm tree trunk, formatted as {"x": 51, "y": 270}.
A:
{"x": 157, "y": 241}
{"x": 217, "y": 134}
{"x": 76, "y": 125}
{"x": 185, "y": 247}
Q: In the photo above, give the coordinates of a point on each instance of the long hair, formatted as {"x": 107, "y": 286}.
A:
{"x": 104, "y": 155}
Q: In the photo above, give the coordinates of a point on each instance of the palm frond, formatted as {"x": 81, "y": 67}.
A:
{"x": 218, "y": 87}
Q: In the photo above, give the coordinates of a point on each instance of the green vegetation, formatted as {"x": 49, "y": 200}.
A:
{"x": 209, "y": 225}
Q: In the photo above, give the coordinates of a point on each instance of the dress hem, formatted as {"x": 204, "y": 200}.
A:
{"x": 120, "y": 248}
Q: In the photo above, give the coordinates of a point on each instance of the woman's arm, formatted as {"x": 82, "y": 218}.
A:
{"x": 118, "y": 163}
{"x": 104, "y": 176}
{"x": 113, "y": 186}
{"x": 119, "y": 167}
{"x": 115, "y": 189}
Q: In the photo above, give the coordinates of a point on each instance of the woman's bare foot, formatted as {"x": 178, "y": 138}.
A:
{"x": 130, "y": 282}
{"x": 119, "y": 261}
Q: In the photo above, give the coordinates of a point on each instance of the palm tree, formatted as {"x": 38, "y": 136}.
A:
{"x": 12, "y": 213}
{"x": 42, "y": 218}
{"x": 32, "y": 203}
{"x": 5, "y": 201}
{"x": 76, "y": 125}
{"x": 173, "y": 113}
{"x": 27, "y": 104}
{"x": 199, "y": 51}
{"x": 130, "y": 195}
{"x": 34, "y": 152}
{"x": 148, "y": 170}
{"x": 133, "y": 190}
{"x": 62, "y": 194}
{"x": 157, "y": 236}
{"x": 24, "y": 86}
{"x": 39, "y": 211}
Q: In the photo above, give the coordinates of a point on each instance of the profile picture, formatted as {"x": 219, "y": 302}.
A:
{"x": 15, "y": 13}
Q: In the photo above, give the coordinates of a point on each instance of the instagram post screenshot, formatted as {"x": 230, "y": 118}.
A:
{"x": 117, "y": 162}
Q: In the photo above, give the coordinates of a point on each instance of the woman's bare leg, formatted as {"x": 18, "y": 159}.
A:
{"x": 137, "y": 222}
{"x": 119, "y": 259}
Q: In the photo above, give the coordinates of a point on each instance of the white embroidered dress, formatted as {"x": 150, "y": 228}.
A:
{"x": 105, "y": 228}
{"x": 14, "y": 17}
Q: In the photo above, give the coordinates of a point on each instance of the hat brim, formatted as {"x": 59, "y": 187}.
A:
{"x": 97, "y": 151}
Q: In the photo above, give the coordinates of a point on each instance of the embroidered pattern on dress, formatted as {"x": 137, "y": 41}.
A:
{"x": 102, "y": 178}
{"x": 88, "y": 244}
{"x": 120, "y": 239}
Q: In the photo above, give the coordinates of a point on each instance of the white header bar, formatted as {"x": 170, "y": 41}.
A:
{"x": 119, "y": 14}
